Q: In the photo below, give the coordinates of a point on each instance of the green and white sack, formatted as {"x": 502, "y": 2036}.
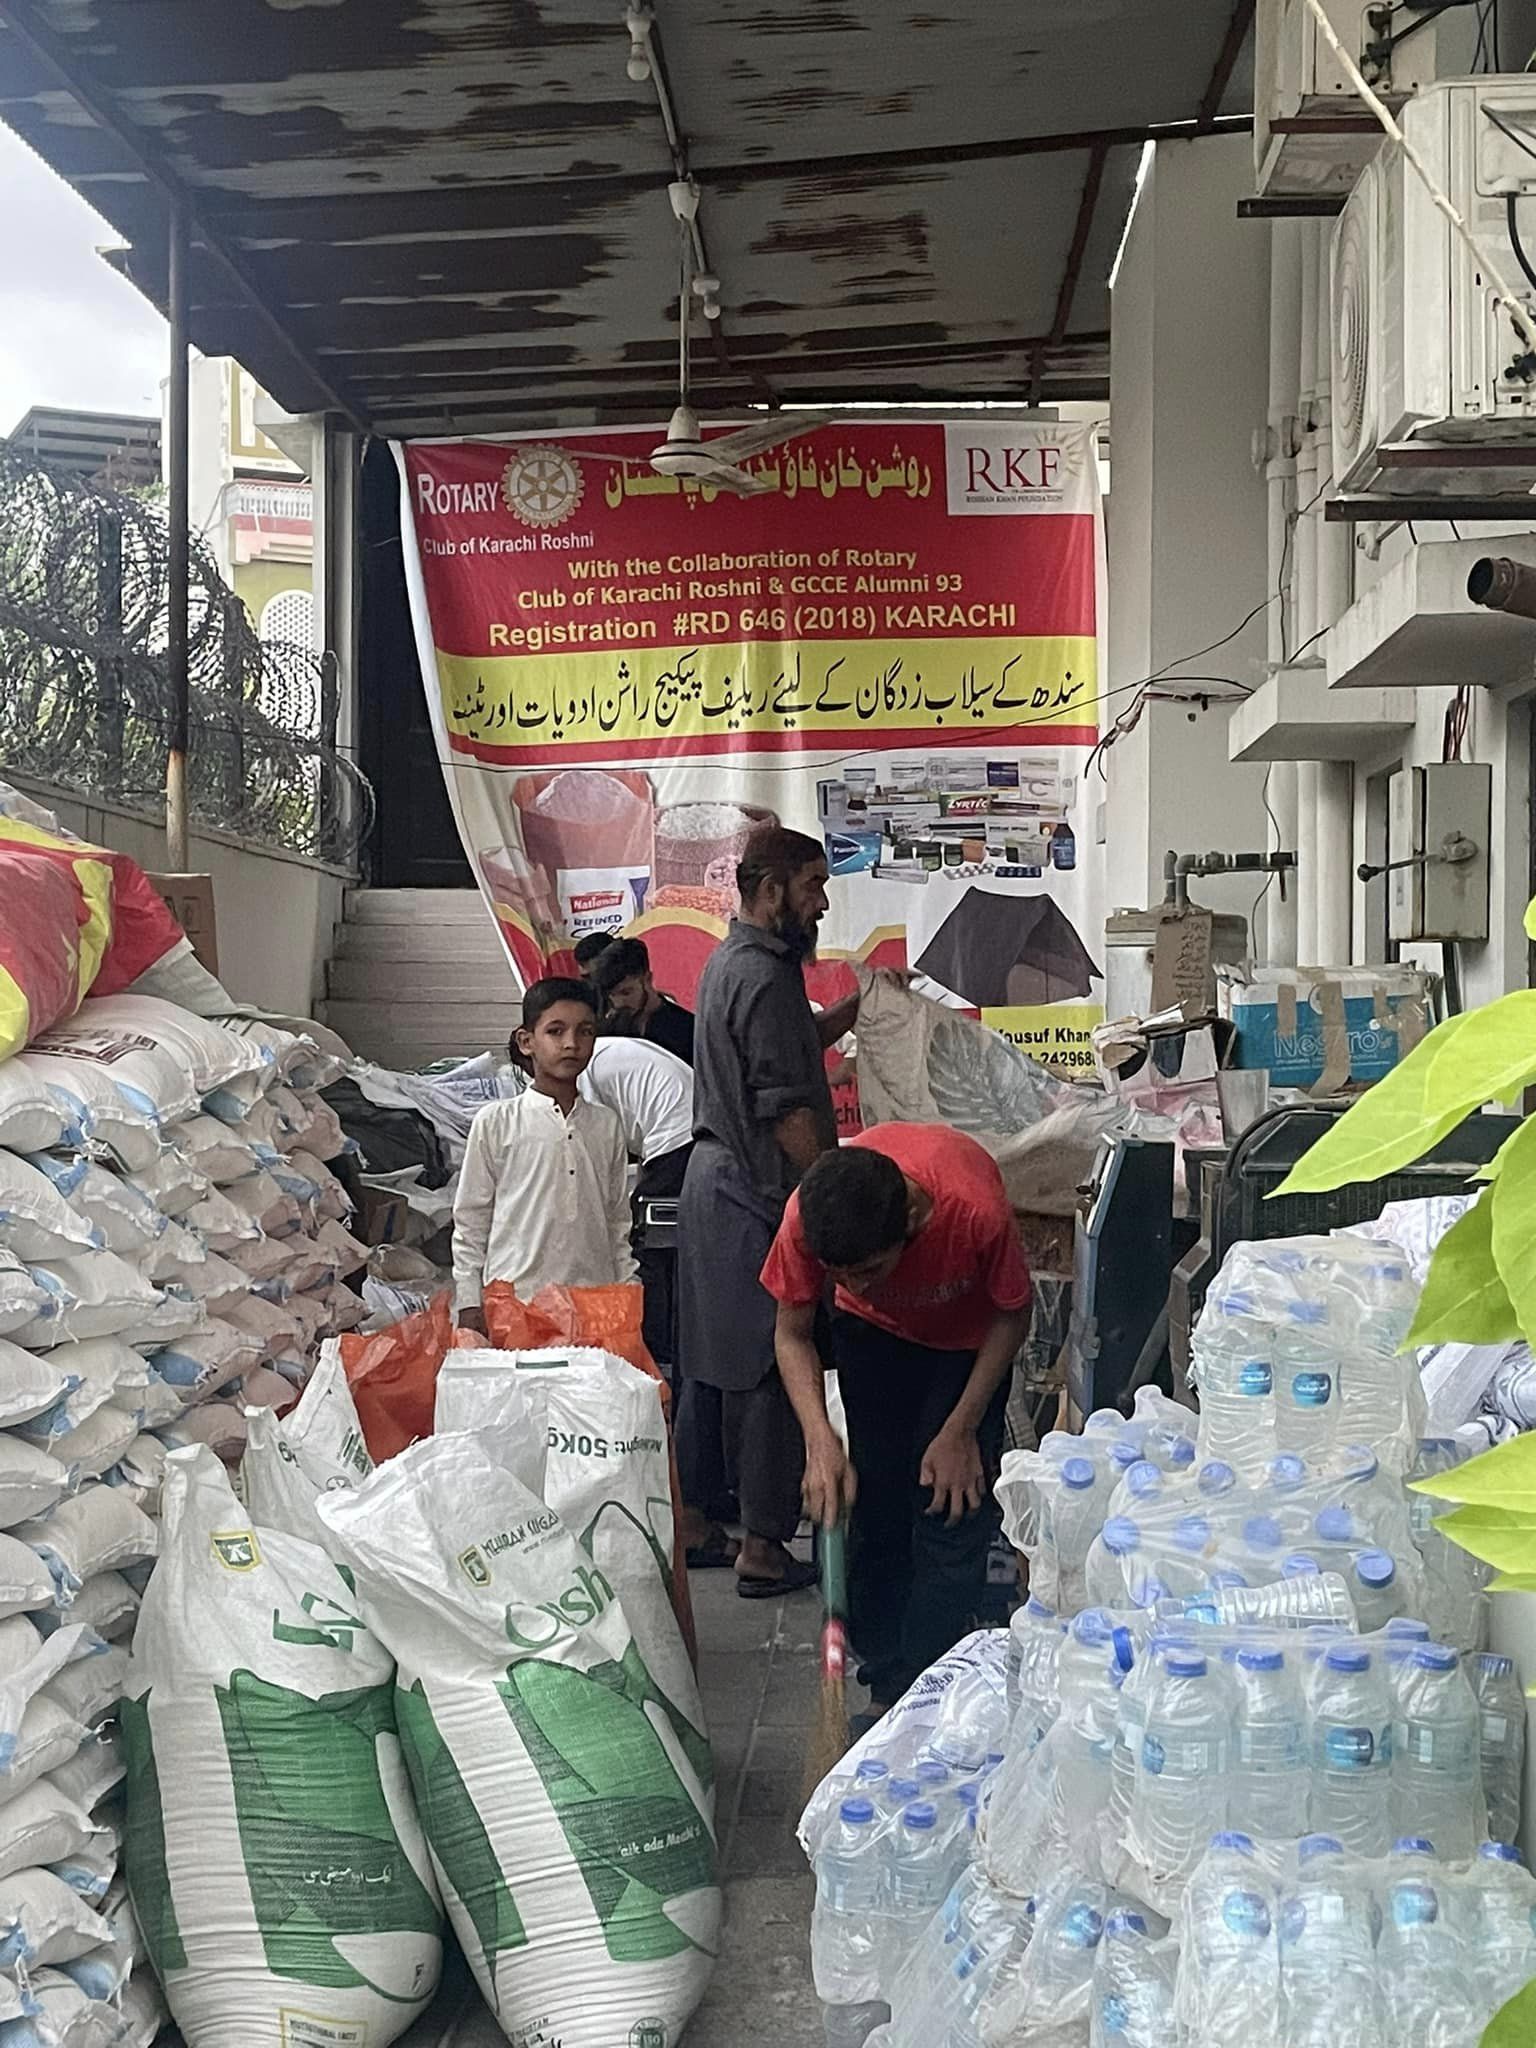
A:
{"x": 585, "y": 1431}
{"x": 272, "y": 1852}
{"x": 316, "y": 1448}
{"x": 561, "y": 1791}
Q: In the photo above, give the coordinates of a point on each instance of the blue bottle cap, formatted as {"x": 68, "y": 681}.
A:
{"x": 1360, "y": 1462}
{"x": 1413, "y": 1845}
{"x": 1143, "y": 1478}
{"x": 1499, "y": 1852}
{"x": 1214, "y": 1477}
{"x": 1335, "y": 1525}
{"x": 1435, "y": 1657}
{"x": 920, "y": 1816}
{"x": 1286, "y": 1473}
{"x": 1348, "y": 1657}
{"x": 871, "y": 1772}
{"x": 1375, "y": 1568}
{"x": 1077, "y": 1473}
{"x": 1261, "y": 1660}
{"x": 1492, "y": 1665}
{"x": 1408, "y": 1628}
{"x": 857, "y": 1812}
{"x": 1231, "y": 1838}
{"x": 1191, "y": 1532}
{"x": 1224, "y": 1580}
{"x": 1093, "y": 1626}
{"x": 1121, "y": 1535}
{"x": 900, "y": 1790}
{"x": 1312, "y": 1314}
{"x": 1263, "y": 1532}
{"x": 1237, "y": 1304}
{"x": 1299, "y": 1565}
{"x": 967, "y": 1795}
{"x": 1125, "y": 1922}
{"x": 1181, "y": 1452}
{"x": 1318, "y": 1845}
{"x": 1037, "y": 1608}
{"x": 1124, "y": 1454}
{"x": 1184, "y": 1664}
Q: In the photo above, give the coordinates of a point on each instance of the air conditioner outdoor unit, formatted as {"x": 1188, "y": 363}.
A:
{"x": 1311, "y": 136}
{"x": 1429, "y": 375}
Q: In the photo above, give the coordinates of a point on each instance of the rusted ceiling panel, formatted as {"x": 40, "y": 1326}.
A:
{"x": 455, "y": 210}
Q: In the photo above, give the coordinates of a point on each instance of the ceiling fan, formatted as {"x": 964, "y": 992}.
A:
{"x": 685, "y": 453}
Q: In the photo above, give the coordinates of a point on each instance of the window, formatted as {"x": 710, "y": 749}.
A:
{"x": 289, "y": 616}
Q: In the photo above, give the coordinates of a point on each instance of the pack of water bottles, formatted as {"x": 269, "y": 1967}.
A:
{"x": 1298, "y": 1349}
{"x": 1318, "y": 1946}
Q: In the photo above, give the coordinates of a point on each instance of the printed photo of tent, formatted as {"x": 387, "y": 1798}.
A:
{"x": 1009, "y": 952}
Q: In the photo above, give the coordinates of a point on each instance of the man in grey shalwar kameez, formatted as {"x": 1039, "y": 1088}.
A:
{"x": 762, "y": 1113}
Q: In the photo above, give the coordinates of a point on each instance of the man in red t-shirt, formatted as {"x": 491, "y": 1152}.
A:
{"x": 932, "y": 1301}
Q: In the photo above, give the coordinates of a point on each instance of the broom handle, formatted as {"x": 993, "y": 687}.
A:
{"x": 834, "y": 1570}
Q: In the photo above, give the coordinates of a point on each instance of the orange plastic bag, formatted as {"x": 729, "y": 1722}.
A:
{"x": 393, "y": 1375}
{"x": 608, "y": 1318}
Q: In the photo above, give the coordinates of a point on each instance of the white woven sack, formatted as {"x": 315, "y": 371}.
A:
{"x": 30, "y": 1383}
{"x": 24, "y": 1303}
{"x": 93, "y": 1372}
{"x": 172, "y": 1182}
{"x": 95, "y": 1531}
{"x": 94, "y": 1294}
{"x": 210, "y": 1056}
{"x": 35, "y": 1220}
{"x": 585, "y": 1432}
{"x": 316, "y": 1448}
{"x": 219, "y": 1223}
{"x": 91, "y": 1687}
{"x": 218, "y": 1425}
{"x": 84, "y": 1454}
{"x": 95, "y": 1769}
{"x": 26, "y": 1584}
{"x": 566, "y": 1816}
{"x": 33, "y": 1480}
{"x": 69, "y": 2017}
{"x": 106, "y": 1605}
{"x": 43, "y": 1921}
{"x": 112, "y": 1108}
{"x": 218, "y": 1151}
{"x": 41, "y": 1827}
{"x": 198, "y": 1365}
{"x": 129, "y": 1222}
{"x": 35, "y": 1117}
{"x": 234, "y": 1723}
{"x": 333, "y": 1202}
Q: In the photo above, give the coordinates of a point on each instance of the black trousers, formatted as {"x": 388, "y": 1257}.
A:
{"x": 915, "y": 1585}
{"x": 659, "y": 1178}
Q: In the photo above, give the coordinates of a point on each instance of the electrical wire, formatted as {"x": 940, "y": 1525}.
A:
{"x": 1520, "y": 141}
{"x": 1269, "y": 879}
{"x": 1292, "y": 528}
{"x": 1511, "y": 200}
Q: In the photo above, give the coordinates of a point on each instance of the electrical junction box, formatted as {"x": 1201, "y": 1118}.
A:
{"x": 1430, "y": 811}
{"x": 1311, "y": 135}
{"x": 1428, "y": 369}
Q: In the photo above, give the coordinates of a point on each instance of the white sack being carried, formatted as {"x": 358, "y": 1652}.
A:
{"x": 274, "y": 1860}
{"x": 585, "y": 1432}
{"x": 920, "y": 1063}
{"x": 317, "y": 1448}
{"x": 564, "y": 1814}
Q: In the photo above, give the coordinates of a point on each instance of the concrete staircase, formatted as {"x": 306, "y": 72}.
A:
{"x": 418, "y": 975}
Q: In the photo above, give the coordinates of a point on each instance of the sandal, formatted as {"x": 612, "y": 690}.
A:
{"x": 795, "y": 1578}
{"x": 717, "y": 1554}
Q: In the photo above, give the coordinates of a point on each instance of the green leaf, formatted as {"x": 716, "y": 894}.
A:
{"x": 1513, "y": 2025}
{"x": 1504, "y": 1477}
{"x": 1530, "y": 920}
{"x": 1513, "y": 1582}
{"x": 1513, "y": 1203}
{"x": 1464, "y": 1301}
{"x": 1486, "y": 1055}
{"x": 1499, "y": 1537}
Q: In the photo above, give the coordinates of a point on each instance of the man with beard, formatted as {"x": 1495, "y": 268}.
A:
{"x": 762, "y": 1114}
{"x": 631, "y": 1002}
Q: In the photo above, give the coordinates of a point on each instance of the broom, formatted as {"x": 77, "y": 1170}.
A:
{"x": 829, "y": 1738}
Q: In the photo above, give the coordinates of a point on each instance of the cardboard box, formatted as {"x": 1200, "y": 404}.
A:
{"x": 1323, "y": 1027}
{"x": 382, "y": 1217}
{"x": 190, "y": 901}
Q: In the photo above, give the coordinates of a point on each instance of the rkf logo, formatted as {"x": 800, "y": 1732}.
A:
{"x": 1011, "y": 468}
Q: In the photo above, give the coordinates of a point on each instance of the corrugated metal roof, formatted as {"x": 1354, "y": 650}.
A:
{"x": 434, "y": 213}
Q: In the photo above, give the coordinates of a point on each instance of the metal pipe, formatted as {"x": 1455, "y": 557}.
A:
{"x": 1332, "y": 850}
{"x": 1501, "y": 585}
{"x": 1280, "y": 449}
{"x": 1330, "y": 544}
{"x": 1304, "y": 534}
{"x": 178, "y": 567}
{"x": 1307, "y": 877}
{"x": 1280, "y": 910}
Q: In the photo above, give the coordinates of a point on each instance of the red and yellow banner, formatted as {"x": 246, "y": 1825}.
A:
{"x": 895, "y": 646}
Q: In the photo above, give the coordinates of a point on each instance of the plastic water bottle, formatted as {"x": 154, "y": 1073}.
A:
{"x": 1096, "y": 1655}
{"x": 1062, "y": 1952}
{"x": 1228, "y": 1927}
{"x": 1306, "y": 1378}
{"x": 1314, "y": 1598}
{"x": 1419, "y": 1959}
{"x": 1501, "y": 1705}
{"x": 1114, "y": 1562}
{"x": 1077, "y": 1512}
{"x": 918, "y": 1876}
{"x": 1182, "y": 1784}
{"x": 1034, "y": 1640}
{"x": 1133, "y": 1986}
{"x": 1328, "y": 1990}
{"x": 1378, "y": 1381}
{"x": 1260, "y": 1549}
{"x": 1375, "y": 1589}
{"x": 1351, "y": 1793}
{"x": 1436, "y": 1741}
{"x": 1139, "y": 1485}
{"x": 1269, "y": 1747}
{"x": 1499, "y": 1921}
{"x": 846, "y": 1927}
{"x": 1235, "y": 1373}
{"x": 1169, "y": 1448}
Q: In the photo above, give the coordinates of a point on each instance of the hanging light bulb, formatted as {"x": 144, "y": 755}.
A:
{"x": 706, "y": 290}
{"x": 639, "y": 21}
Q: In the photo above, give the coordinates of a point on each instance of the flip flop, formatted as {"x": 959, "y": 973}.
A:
{"x": 716, "y": 1555}
{"x": 794, "y": 1579}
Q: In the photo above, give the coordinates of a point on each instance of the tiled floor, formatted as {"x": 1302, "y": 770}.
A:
{"x": 757, "y": 1671}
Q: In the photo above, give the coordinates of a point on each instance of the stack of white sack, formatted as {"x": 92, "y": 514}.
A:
{"x": 170, "y": 1252}
{"x": 547, "y": 1713}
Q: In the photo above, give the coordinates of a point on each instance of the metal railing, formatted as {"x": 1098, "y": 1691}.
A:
{"x": 84, "y": 690}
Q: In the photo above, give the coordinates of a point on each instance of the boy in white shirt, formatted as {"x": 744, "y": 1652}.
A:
{"x": 542, "y": 1195}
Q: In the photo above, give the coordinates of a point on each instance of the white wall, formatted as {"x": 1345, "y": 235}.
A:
{"x": 275, "y": 912}
{"x": 1187, "y": 524}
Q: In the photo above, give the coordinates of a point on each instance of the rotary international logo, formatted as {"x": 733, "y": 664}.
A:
{"x": 542, "y": 484}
